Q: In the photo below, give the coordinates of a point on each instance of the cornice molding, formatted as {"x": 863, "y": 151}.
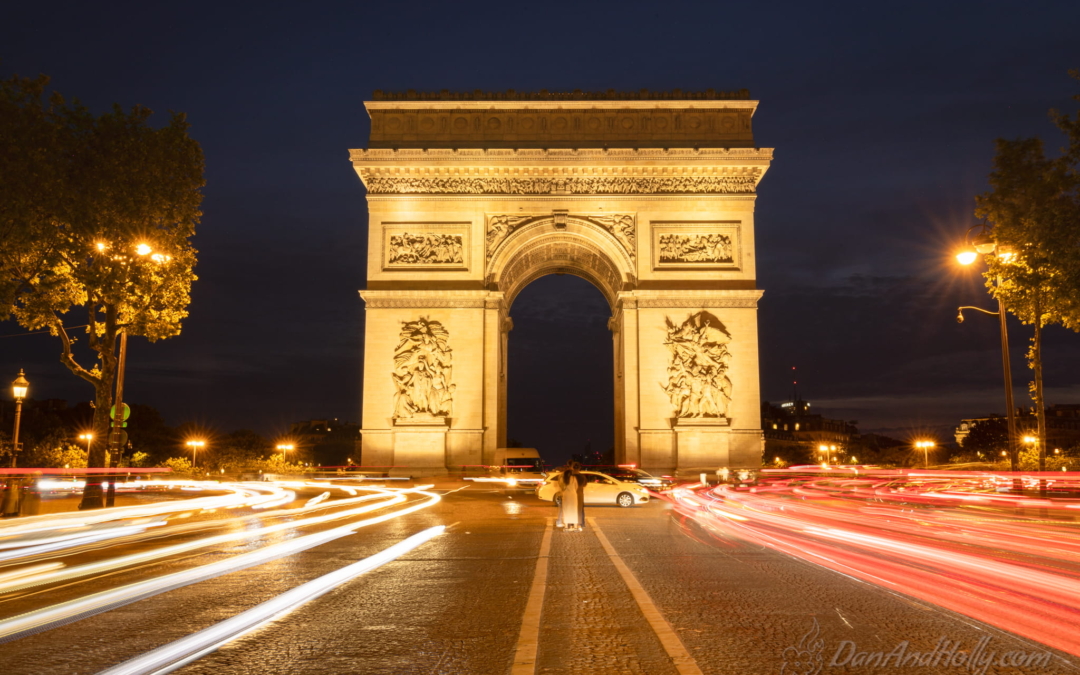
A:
{"x": 360, "y": 156}
{"x": 691, "y": 299}
{"x": 426, "y": 299}
{"x": 584, "y": 185}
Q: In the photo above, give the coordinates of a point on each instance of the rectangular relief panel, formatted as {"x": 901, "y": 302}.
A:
{"x": 426, "y": 246}
{"x": 705, "y": 244}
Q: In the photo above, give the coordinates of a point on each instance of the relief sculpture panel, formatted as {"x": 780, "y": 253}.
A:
{"x": 422, "y": 371}
{"x": 689, "y": 245}
{"x": 698, "y": 385}
{"x": 696, "y": 248}
{"x": 431, "y": 246}
{"x": 426, "y": 249}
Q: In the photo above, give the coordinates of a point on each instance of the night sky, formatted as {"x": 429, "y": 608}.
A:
{"x": 883, "y": 117}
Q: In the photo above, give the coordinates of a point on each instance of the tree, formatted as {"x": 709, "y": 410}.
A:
{"x": 1034, "y": 210}
{"x": 106, "y": 231}
{"x": 988, "y": 437}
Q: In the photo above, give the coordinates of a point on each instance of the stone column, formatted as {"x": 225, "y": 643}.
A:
{"x": 494, "y": 383}
{"x": 628, "y": 311}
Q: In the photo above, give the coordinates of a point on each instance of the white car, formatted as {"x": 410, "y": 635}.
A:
{"x": 599, "y": 489}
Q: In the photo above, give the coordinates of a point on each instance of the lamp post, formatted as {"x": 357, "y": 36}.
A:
{"x": 925, "y": 447}
{"x": 195, "y": 445}
{"x": 11, "y": 494}
{"x": 18, "y": 391}
{"x": 89, "y": 439}
{"x": 285, "y": 447}
{"x": 984, "y": 244}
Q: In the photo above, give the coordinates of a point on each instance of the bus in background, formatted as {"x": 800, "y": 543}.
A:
{"x": 519, "y": 466}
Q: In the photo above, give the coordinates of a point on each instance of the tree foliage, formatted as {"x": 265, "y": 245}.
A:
{"x": 97, "y": 212}
{"x": 1033, "y": 208}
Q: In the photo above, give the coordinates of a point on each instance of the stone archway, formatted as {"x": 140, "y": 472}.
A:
{"x": 456, "y": 234}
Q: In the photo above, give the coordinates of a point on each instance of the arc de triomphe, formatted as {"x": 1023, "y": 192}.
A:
{"x": 649, "y": 196}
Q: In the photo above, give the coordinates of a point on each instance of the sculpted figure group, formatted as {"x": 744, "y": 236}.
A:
{"x": 697, "y": 384}
{"x": 422, "y": 370}
{"x": 696, "y": 248}
{"x": 426, "y": 249}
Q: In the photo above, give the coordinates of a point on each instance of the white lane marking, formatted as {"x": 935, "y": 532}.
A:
{"x": 179, "y": 653}
{"x": 529, "y": 637}
{"x": 684, "y": 663}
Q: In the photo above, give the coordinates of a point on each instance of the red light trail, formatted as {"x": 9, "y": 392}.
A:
{"x": 962, "y": 541}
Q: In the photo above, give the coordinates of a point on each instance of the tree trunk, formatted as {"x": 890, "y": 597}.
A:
{"x": 1040, "y": 404}
{"x": 93, "y": 495}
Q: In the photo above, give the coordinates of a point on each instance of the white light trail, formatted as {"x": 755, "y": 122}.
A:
{"x": 179, "y": 653}
{"x": 80, "y": 608}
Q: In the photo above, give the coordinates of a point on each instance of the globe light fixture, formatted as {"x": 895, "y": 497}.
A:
{"x": 143, "y": 249}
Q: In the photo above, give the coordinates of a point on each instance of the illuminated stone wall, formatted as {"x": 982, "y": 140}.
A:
{"x": 665, "y": 231}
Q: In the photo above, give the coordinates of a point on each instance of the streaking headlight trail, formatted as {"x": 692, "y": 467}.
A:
{"x": 176, "y": 654}
{"x": 80, "y": 608}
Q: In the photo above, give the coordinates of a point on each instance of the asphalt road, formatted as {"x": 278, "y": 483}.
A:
{"x": 457, "y": 604}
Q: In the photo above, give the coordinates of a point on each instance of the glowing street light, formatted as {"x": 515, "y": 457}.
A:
{"x": 285, "y": 447}
{"x": 88, "y": 438}
{"x": 18, "y": 391}
{"x": 11, "y": 495}
{"x": 925, "y": 446}
{"x": 195, "y": 445}
{"x": 983, "y": 243}
{"x": 143, "y": 249}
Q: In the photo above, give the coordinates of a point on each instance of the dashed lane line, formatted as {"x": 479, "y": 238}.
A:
{"x": 529, "y": 637}
{"x": 684, "y": 663}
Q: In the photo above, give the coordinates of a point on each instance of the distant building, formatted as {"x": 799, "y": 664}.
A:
{"x": 791, "y": 429}
{"x": 1062, "y": 425}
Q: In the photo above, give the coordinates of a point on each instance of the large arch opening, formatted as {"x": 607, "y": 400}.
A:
{"x": 560, "y": 396}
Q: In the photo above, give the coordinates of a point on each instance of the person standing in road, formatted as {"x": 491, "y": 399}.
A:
{"x": 580, "y": 494}
{"x": 569, "y": 510}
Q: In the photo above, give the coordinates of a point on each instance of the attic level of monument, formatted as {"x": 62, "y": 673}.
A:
{"x": 576, "y": 95}
{"x": 562, "y": 123}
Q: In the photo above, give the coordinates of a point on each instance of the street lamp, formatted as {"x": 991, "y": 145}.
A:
{"x": 11, "y": 494}
{"x": 88, "y": 438}
{"x": 984, "y": 244}
{"x": 195, "y": 445}
{"x": 925, "y": 446}
{"x": 285, "y": 447}
{"x": 18, "y": 391}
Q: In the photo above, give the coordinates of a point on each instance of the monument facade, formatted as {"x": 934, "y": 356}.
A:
{"x": 649, "y": 196}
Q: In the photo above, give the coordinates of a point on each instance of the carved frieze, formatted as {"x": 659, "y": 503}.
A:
{"x": 645, "y": 185}
{"x": 698, "y": 385}
{"x": 695, "y": 248}
{"x": 426, "y": 249}
{"x": 689, "y": 245}
{"x": 422, "y": 371}
{"x": 425, "y": 246}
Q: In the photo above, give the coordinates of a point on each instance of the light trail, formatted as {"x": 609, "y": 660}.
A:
{"x": 53, "y": 576}
{"x": 80, "y": 608}
{"x": 949, "y": 538}
{"x": 179, "y": 653}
